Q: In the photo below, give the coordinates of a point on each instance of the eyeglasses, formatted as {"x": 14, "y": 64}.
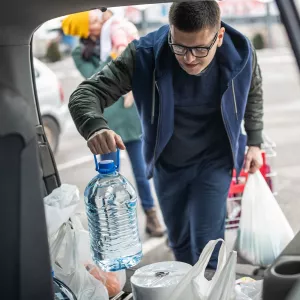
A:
{"x": 199, "y": 52}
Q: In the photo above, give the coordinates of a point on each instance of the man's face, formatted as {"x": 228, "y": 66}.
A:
{"x": 205, "y": 38}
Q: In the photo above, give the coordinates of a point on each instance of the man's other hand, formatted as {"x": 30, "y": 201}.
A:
{"x": 254, "y": 160}
{"x": 105, "y": 141}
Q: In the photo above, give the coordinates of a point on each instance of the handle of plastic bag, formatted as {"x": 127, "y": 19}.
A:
{"x": 223, "y": 288}
{"x": 199, "y": 269}
{"x": 222, "y": 257}
{"x": 55, "y": 242}
{"x": 117, "y": 161}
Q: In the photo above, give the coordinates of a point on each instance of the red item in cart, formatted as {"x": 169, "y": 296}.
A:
{"x": 236, "y": 190}
{"x": 237, "y": 187}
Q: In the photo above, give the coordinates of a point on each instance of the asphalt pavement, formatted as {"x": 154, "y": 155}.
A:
{"x": 282, "y": 125}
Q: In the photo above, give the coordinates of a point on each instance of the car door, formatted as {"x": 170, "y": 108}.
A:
{"x": 27, "y": 173}
{"x": 280, "y": 278}
{"x": 27, "y": 166}
{"x": 290, "y": 12}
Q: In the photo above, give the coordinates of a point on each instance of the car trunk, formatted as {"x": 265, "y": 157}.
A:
{"x": 27, "y": 166}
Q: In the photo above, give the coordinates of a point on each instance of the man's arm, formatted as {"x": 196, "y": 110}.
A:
{"x": 88, "y": 101}
{"x": 254, "y": 119}
{"x": 254, "y": 109}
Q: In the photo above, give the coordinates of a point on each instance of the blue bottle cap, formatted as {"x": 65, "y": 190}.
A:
{"x": 106, "y": 167}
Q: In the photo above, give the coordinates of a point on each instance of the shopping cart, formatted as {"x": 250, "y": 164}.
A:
{"x": 238, "y": 184}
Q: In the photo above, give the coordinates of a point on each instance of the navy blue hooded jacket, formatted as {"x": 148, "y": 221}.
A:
{"x": 144, "y": 68}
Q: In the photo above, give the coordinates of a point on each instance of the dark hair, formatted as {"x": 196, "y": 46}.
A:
{"x": 195, "y": 16}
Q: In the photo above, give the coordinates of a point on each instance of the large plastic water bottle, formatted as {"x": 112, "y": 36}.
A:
{"x": 111, "y": 203}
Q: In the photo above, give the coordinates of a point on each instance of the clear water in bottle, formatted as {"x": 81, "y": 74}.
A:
{"x": 111, "y": 210}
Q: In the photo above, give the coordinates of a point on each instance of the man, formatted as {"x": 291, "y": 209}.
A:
{"x": 196, "y": 84}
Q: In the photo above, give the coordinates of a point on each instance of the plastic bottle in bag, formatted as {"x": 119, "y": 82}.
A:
{"x": 111, "y": 210}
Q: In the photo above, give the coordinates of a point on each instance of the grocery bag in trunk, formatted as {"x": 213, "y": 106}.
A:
{"x": 220, "y": 287}
{"x": 264, "y": 231}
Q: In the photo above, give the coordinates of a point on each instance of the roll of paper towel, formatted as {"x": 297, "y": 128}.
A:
{"x": 157, "y": 281}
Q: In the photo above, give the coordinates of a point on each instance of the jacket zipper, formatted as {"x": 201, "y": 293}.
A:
{"x": 234, "y": 101}
{"x": 153, "y": 99}
{"x": 155, "y": 85}
{"x": 227, "y": 131}
{"x": 158, "y": 125}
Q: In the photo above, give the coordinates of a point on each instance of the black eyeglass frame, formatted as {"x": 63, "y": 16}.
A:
{"x": 191, "y": 48}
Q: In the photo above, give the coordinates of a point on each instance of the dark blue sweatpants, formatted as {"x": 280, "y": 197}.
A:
{"x": 193, "y": 203}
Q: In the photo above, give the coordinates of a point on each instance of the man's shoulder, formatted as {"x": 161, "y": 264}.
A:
{"x": 152, "y": 39}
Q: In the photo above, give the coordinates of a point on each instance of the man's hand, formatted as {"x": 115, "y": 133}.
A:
{"x": 254, "y": 160}
{"x": 105, "y": 141}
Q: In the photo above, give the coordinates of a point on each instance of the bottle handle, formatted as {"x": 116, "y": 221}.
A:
{"x": 96, "y": 163}
{"x": 117, "y": 164}
{"x": 118, "y": 159}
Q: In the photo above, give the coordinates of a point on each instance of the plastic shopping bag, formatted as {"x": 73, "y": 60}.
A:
{"x": 264, "y": 231}
{"x": 113, "y": 281}
{"x": 195, "y": 286}
{"x": 68, "y": 250}
{"x": 251, "y": 290}
{"x": 60, "y": 205}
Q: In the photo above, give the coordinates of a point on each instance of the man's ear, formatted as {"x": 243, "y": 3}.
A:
{"x": 221, "y": 36}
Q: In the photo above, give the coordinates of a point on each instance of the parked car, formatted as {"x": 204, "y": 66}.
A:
{"x": 53, "y": 108}
{"x": 46, "y": 33}
{"x": 49, "y": 32}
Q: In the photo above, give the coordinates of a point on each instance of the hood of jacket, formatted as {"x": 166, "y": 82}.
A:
{"x": 232, "y": 55}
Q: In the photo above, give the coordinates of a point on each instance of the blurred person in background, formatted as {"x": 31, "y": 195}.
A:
{"x": 103, "y": 37}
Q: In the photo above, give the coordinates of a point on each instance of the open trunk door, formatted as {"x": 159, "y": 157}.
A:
{"x": 27, "y": 166}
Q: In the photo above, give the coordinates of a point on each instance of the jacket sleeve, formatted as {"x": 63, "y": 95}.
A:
{"x": 92, "y": 96}
{"x": 254, "y": 110}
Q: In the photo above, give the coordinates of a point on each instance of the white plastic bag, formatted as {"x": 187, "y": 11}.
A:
{"x": 113, "y": 281}
{"x": 60, "y": 205}
{"x": 249, "y": 290}
{"x": 68, "y": 250}
{"x": 220, "y": 287}
{"x": 264, "y": 231}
